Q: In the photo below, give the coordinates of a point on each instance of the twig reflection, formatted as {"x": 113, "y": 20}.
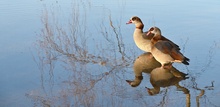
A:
{"x": 67, "y": 47}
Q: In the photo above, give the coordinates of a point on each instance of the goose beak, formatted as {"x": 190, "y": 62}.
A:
{"x": 129, "y": 82}
{"x": 129, "y": 22}
{"x": 148, "y": 33}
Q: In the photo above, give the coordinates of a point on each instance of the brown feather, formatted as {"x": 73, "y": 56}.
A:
{"x": 176, "y": 55}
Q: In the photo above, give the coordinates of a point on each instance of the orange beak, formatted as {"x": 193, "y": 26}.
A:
{"x": 129, "y": 22}
{"x": 148, "y": 33}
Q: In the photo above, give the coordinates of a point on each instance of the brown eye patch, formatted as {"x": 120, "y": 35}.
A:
{"x": 151, "y": 29}
{"x": 134, "y": 18}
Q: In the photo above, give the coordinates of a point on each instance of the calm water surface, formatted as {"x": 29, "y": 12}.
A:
{"x": 79, "y": 53}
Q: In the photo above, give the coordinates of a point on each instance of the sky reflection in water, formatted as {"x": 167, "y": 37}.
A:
{"x": 53, "y": 55}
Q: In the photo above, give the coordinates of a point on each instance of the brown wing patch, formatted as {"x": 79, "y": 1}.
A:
{"x": 176, "y": 55}
{"x": 167, "y": 48}
{"x": 165, "y": 39}
{"x": 164, "y": 46}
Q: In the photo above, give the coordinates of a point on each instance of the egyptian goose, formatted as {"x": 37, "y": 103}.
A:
{"x": 165, "y": 52}
{"x": 160, "y": 77}
{"x": 144, "y": 63}
{"x": 142, "y": 41}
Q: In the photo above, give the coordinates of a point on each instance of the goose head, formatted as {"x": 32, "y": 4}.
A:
{"x": 134, "y": 20}
{"x": 154, "y": 30}
{"x": 137, "y": 21}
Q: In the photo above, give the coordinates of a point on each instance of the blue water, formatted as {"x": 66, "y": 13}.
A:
{"x": 194, "y": 25}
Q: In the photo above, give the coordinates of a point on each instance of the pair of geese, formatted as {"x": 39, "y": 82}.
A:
{"x": 163, "y": 50}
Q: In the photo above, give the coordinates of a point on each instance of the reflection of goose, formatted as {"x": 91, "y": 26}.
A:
{"x": 165, "y": 52}
{"x": 161, "y": 77}
{"x": 143, "y": 63}
{"x": 140, "y": 38}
